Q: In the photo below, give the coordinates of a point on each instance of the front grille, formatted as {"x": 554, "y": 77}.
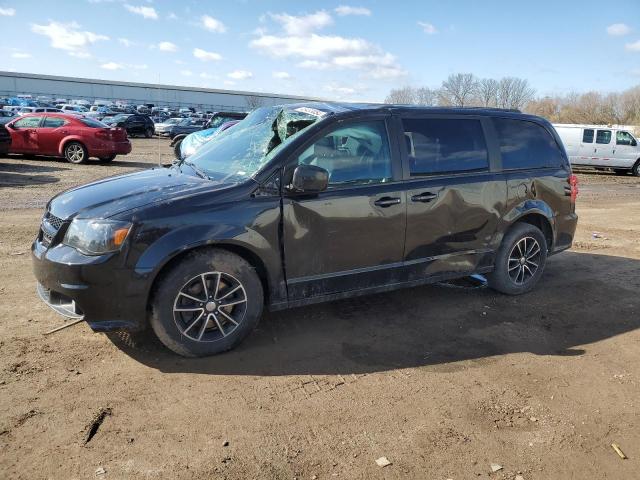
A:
{"x": 46, "y": 239}
{"x": 49, "y": 228}
{"x": 54, "y": 221}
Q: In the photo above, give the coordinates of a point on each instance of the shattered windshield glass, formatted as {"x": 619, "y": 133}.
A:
{"x": 242, "y": 150}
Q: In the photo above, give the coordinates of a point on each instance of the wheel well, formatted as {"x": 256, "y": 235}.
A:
{"x": 71, "y": 140}
{"x": 542, "y": 223}
{"x": 242, "y": 252}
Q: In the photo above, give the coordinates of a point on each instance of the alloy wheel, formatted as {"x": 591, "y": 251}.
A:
{"x": 524, "y": 260}
{"x": 210, "y": 306}
{"x": 75, "y": 153}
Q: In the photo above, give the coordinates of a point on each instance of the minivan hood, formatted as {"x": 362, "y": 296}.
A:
{"x": 111, "y": 196}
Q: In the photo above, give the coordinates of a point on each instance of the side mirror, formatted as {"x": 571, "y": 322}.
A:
{"x": 309, "y": 179}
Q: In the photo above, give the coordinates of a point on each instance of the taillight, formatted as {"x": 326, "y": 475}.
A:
{"x": 573, "y": 187}
{"x": 103, "y": 134}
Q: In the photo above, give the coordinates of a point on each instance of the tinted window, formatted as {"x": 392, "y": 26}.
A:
{"x": 53, "y": 122}
{"x": 354, "y": 154}
{"x": 28, "y": 122}
{"x": 625, "y": 138}
{"x": 603, "y": 136}
{"x": 526, "y": 145}
{"x": 90, "y": 122}
{"x": 444, "y": 145}
{"x": 587, "y": 135}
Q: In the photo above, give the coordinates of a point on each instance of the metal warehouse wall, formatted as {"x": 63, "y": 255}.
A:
{"x": 12, "y": 84}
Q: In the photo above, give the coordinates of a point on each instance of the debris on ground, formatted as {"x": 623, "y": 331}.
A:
{"x": 519, "y": 477}
{"x": 383, "y": 462}
{"x": 100, "y": 471}
{"x": 225, "y": 443}
{"x": 618, "y": 451}
{"x": 93, "y": 427}
{"x": 495, "y": 467}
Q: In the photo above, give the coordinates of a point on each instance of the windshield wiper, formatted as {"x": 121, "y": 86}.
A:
{"x": 196, "y": 169}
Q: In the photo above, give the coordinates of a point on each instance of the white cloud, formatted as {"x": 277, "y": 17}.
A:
{"x": 302, "y": 25}
{"x": 213, "y": 24}
{"x": 139, "y": 66}
{"x": 69, "y": 37}
{"x": 344, "y": 10}
{"x": 322, "y": 52}
{"x": 282, "y": 75}
{"x": 428, "y": 28}
{"x": 229, "y": 83}
{"x": 167, "y": 47}
{"x": 7, "y": 12}
{"x": 112, "y": 66}
{"x": 146, "y": 12}
{"x": 340, "y": 90}
{"x": 205, "y": 56}
{"x": 125, "y": 42}
{"x": 186, "y": 73}
{"x": 633, "y": 47}
{"x": 618, "y": 29}
{"x": 172, "y": 16}
{"x": 240, "y": 75}
{"x": 20, "y": 55}
{"x": 206, "y": 75}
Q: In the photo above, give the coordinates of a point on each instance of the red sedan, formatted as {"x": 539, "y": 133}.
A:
{"x": 73, "y": 137}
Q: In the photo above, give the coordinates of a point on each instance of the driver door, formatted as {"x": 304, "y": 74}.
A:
{"x": 350, "y": 236}
{"x": 24, "y": 135}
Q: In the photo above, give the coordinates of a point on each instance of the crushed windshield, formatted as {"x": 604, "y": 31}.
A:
{"x": 246, "y": 147}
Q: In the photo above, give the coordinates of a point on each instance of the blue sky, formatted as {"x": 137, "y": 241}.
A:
{"x": 344, "y": 50}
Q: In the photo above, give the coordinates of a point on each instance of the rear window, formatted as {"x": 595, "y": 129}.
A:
{"x": 526, "y": 145}
{"x": 90, "y": 122}
{"x": 436, "y": 145}
{"x": 53, "y": 122}
{"x": 587, "y": 135}
{"x": 603, "y": 137}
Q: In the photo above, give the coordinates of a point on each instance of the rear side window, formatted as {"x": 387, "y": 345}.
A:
{"x": 587, "y": 135}
{"x": 526, "y": 145}
{"x": 28, "y": 122}
{"x": 444, "y": 145}
{"x": 604, "y": 137}
{"x": 53, "y": 122}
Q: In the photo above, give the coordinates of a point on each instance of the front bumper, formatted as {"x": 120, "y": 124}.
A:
{"x": 98, "y": 289}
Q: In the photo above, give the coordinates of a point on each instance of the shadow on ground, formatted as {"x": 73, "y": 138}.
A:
{"x": 22, "y": 174}
{"x": 583, "y": 298}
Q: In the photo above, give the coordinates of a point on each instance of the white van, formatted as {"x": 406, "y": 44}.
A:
{"x": 601, "y": 146}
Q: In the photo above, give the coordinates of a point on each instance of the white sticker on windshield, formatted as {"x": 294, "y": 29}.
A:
{"x": 311, "y": 111}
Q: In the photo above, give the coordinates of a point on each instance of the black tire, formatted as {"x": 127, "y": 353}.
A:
{"x": 178, "y": 330}
{"x": 620, "y": 171}
{"x": 75, "y": 152}
{"x": 148, "y": 133}
{"x": 501, "y": 278}
{"x": 176, "y": 149}
{"x": 108, "y": 159}
{"x": 636, "y": 169}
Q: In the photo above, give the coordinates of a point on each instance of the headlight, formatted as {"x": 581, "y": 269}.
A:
{"x": 95, "y": 237}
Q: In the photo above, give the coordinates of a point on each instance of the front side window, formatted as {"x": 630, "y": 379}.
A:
{"x": 526, "y": 144}
{"x": 354, "y": 154}
{"x": 603, "y": 137}
{"x": 625, "y": 138}
{"x": 28, "y": 122}
{"x": 587, "y": 135}
{"x": 53, "y": 122}
{"x": 444, "y": 145}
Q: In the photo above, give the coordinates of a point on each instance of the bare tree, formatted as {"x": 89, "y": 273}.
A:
{"x": 426, "y": 96}
{"x": 487, "y": 92}
{"x": 458, "y": 90}
{"x": 404, "y": 95}
{"x": 254, "y": 101}
{"x": 514, "y": 93}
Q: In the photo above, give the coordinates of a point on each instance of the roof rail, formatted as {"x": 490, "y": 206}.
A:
{"x": 497, "y": 109}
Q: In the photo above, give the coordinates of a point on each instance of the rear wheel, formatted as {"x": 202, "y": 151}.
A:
{"x": 75, "y": 152}
{"x": 636, "y": 169}
{"x": 108, "y": 159}
{"x": 148, "y": 133}
{"x": 176, "y": 149}
{"x": 620, "y": 171}
{"x": 207, "y": 304}
{"x": 520, "y": 260}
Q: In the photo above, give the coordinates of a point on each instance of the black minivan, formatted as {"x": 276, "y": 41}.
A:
{"x": 305, "y": 203}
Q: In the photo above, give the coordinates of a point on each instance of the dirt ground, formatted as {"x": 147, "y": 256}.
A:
{"x": 442, "y": 381}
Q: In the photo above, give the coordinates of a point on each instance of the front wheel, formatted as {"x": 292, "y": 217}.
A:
{"x": 75, "y": 152}
{"x": 177, "y": 148}
{"x": 636, "y": 169}
{"x": 520, "y": 260}
{"x": 206, "y": 304}
{"x": 148, "y": 133}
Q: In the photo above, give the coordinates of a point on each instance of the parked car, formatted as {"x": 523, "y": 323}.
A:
{"x": 305, "y": 203}
{"x": 601, "y": 146}
{"x": 5, "y": 140}
{"x": 181, "y": 130}
{"x": 73, "y": 137}
{"x": 24, "y": 110}
{"x": 186, "y": 126}
{"x": 134, "y": 124}
{"x": 162, "y": 128}
{"x": 72, "y": 108}
{"x": 194, "y": 141}
{"x": 6, "y": 116}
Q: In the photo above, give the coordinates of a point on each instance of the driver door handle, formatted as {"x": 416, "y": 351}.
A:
{"x": 424, "y": 197}
{"x": 387, "y": 201}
